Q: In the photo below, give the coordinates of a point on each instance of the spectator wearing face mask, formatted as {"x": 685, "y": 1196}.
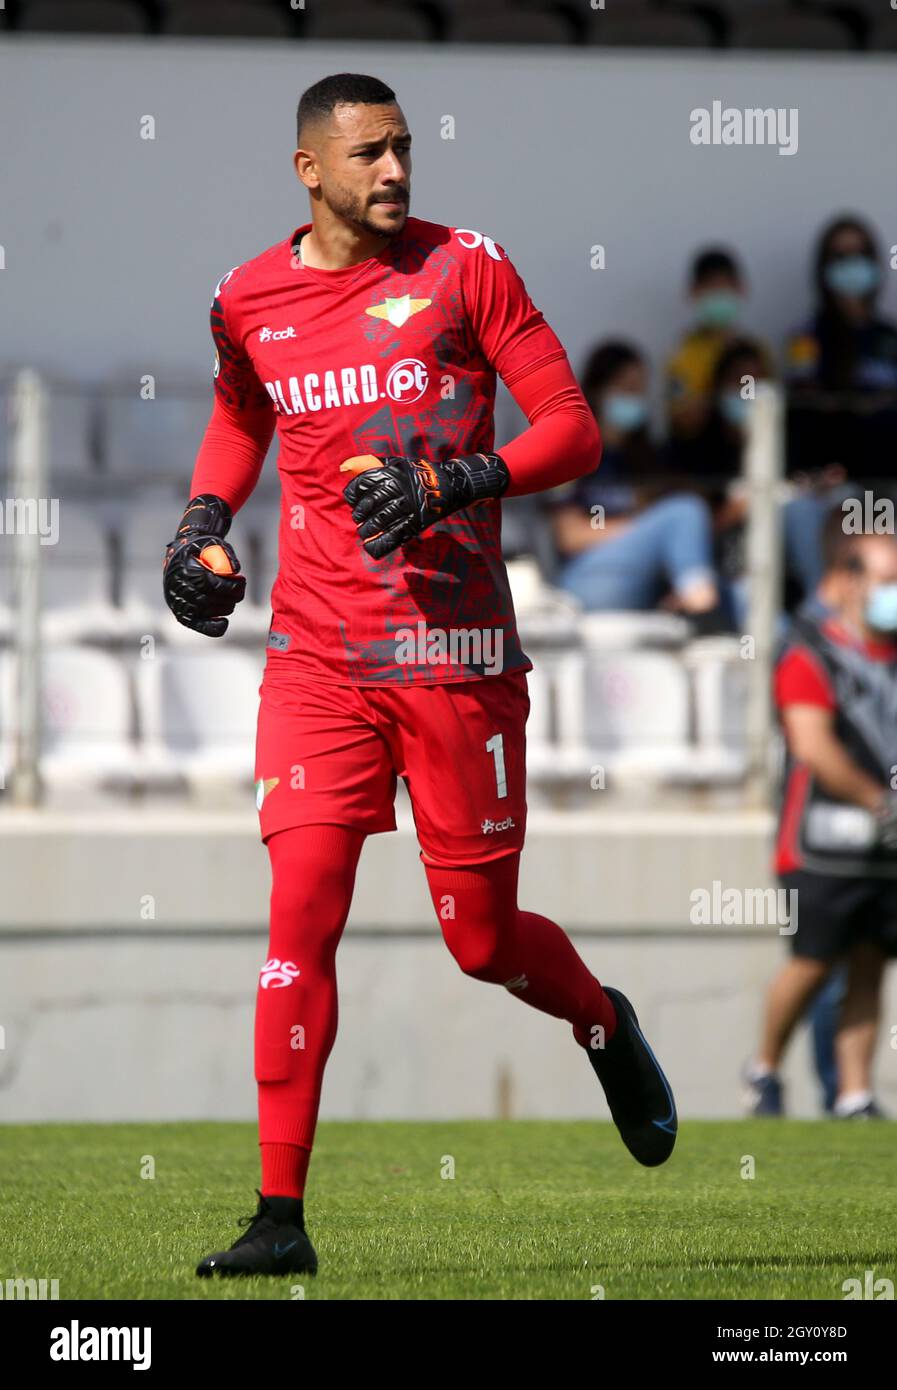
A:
{"x": 713, "y": 457}
{"x": 717, "y": 294}
{"x": 841, "y": 367}
{"x": 624, "y": 540}
{"x": 836, "y": 846}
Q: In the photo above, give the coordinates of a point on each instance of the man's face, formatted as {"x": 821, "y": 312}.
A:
{"x": 361, "y": 161}
{"x": 878, "y": 560}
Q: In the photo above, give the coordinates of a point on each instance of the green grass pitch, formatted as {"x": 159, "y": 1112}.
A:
{"x": 535, "y": 1210}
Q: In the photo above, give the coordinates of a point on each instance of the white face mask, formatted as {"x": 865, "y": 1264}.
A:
{"x": 881, "y": 608}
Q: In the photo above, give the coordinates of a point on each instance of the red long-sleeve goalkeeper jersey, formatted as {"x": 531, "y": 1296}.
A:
{"x": 395, "y": 355}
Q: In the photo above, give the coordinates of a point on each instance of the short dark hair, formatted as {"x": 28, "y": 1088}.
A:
{"x": 605, "y": 361}
{"x": 742, "y": 350}
{"x": 840, "y": 548}
{"x": 342, "y": 87}
{"x": 713, "y": 260}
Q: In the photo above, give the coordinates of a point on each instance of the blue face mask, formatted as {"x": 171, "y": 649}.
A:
{"x": 881, "y": 608}
{"x": 852, "y": 276}
{"x": 734, "y": 408}
{"x": 718, "y": 308}
{"x": 625, "y": 411}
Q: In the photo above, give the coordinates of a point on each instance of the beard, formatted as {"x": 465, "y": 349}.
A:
{"x": 353, "y": 210}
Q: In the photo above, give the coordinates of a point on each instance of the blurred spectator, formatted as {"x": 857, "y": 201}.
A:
{"x": 713, "y": 456}
{"x": 836, "y": 849}
{"x": 717, "y": 292}
{"x": 841, "y": 367}
{"x": 623, "y": 544}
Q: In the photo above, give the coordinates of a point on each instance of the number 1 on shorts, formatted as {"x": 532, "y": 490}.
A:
{"x": 496, "y": 747}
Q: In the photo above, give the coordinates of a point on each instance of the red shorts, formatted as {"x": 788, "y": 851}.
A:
{"x": 331, "y": 754}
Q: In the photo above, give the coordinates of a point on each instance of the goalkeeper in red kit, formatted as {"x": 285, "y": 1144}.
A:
{"x": 371, "y": 341}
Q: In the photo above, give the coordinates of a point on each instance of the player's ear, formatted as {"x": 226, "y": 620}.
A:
{"x": 305, "y": 164}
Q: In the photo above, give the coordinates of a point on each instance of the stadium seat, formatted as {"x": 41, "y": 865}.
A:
{"x": 227, "y": 19}
{"x": 859, "y": 13}
{"x": 6, "y": 594}
{"x": 71, "y": 426}
{"x": 6, "y": 380}
{"x": 153, "y": 440}
{"x": 260, "y": 522}
{"x": 77, "y": 580}
{"x": 728, "y": 8}
{"x": 391, "y": 23}
{"x": 7, "y": 728}
{"x": 637, "y": 714}
{"x": 83, "y": 16}
{"x": 793, "y": 32}
{"x": 509, "y": 26}
{"x": 719, "y": 695}
{"x": 618, "y": 631}
{"x": 546, "y": 616}
{"x": 647, "y": 28}
{"x": 197, "y": 716}
{"x": 883, "y": 35}
{"x": 87, "y": 718}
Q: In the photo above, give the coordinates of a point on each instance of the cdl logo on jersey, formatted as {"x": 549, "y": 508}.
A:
{"x": 405, "y": 382}
{"x": 268, "y": 335}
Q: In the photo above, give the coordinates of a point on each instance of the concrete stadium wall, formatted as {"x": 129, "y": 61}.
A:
{"x": 109, "y": 1015}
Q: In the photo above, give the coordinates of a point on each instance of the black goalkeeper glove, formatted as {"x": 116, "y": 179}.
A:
{"x": 198, "y": 595}
{"x": 394, "y": 499}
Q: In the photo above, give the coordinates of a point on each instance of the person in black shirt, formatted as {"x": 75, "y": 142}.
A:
{"x": 841, "y": 366}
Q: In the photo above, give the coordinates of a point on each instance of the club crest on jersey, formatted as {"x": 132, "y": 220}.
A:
{"x": 399, "y": 310}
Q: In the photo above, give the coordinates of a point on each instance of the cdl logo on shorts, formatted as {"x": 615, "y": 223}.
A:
{"x": 407, "y": 381}
{"x": 494, "y": 827}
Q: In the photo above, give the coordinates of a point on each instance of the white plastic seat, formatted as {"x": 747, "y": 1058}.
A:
{"x": 87, "y": 717}
{"x": 197, "y": 714}
{"x": 259, "y": 519}
{"x": 76, "y": 580}
{"x": 620, "y": 630}
{"x": 637, "y": 713}
{"x": 70, "y": 422}
{"x": 720, "y": 690}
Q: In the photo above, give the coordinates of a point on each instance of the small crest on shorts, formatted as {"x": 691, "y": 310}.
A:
{"x": 279, "y": 641}
{"x": 262, "y": 787}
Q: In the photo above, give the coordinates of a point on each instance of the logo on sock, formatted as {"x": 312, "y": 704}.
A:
{"x": 518, "y": 982}
{"x": 275, "y": 973}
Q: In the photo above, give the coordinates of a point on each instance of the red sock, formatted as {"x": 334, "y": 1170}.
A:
{"x": 313, "y": 871}
{"x": 492, "y": 939}
{"x": 284, "y": 1169}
